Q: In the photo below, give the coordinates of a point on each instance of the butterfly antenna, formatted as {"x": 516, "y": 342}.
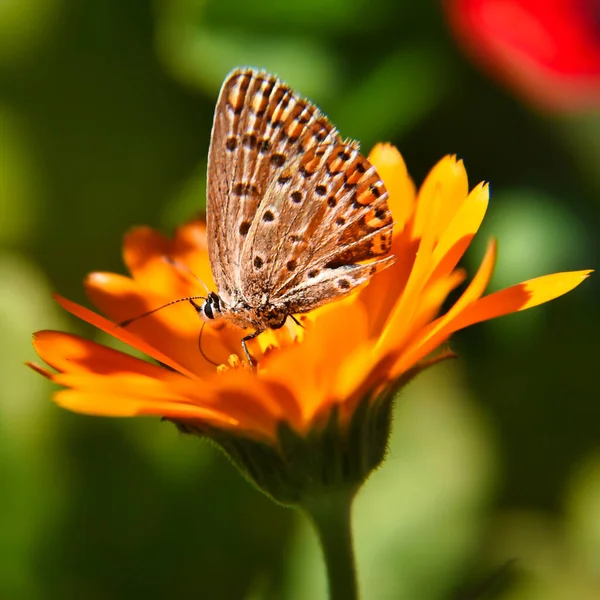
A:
{"x": 212, "y": 362}
{"x": 181, "y": 267}
{"x": 127, "y": 322}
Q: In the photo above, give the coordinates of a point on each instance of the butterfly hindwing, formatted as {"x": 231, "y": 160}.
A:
{"x": 330, "y": 215}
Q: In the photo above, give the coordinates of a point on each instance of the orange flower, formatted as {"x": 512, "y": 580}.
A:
{"x": 355, "y": 349}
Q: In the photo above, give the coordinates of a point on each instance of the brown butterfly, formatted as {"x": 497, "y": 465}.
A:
{"x": 296, "y": 217}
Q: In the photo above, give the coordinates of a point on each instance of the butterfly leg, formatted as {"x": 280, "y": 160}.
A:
{"x": 296, "y": 321}
{"x": 245, "y": 347}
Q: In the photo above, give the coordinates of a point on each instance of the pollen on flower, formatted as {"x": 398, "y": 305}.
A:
{"x": 296, "y": 328}
{"x": 233, "y": 362}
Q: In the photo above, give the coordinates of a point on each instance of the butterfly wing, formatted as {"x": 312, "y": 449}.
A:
{"x": 260, "y": 128}
{"x": 321, "y": 230}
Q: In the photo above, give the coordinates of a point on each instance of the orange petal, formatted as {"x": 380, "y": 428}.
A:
{"x": 408, "y": 304}
{"x": 122, "y": 334}
{"x": 397, "y": 334}
{"x": 352, "y": 372}
{"x": 520, "y": 297}
{"x": 440, "y": 200}
{"x": 145, "y": 253}
{"x": 132, "y": 385}
{"x": 189, "y": 247}
{"x": 242, "y": 403}
{"x": 442, "y": 192}
{"x": 459, "y": 232}
{"x": 385, "y": 288}
{"x": 328, "y": 342}
{"x": 392, "y": 169}
{"x": 342, "y": 337}
{"x": 143, "y": 249}
{"x": 120, "y": 297}
{"x": 116, "y": 405}
{"x": 441, "y": 328}
{"x": 110, "y": 382}
{"x": 173, "y": 330}
{"x": 67, "y": 352}
{"x": 256, "y": 403}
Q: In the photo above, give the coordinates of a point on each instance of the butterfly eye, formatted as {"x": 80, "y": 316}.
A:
{"x": 210, "y": 308}
{"x": 207, "y": 310}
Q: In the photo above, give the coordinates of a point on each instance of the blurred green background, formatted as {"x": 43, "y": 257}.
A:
{"x": 105, "y": 116}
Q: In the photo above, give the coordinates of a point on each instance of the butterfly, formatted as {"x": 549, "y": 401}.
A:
{"x": 296, "y": 217}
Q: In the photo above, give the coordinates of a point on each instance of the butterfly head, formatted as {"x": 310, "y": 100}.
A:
{"x": 210, "y": 309}
{"x": 240, "y": 313}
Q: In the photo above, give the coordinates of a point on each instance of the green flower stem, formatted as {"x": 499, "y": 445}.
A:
{"x": 330, "y": 514}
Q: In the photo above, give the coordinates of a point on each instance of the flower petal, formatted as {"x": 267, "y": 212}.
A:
{"x": 327, "y": 343}
{"x": 440, "y": 196}
{"x": 147, "y": 255}
{"x": 397, "y": 333}
{"x": 409, "y": 301}
{"x": 109, "y": 382}
{"x": 392, "y": 169}
{"x": 67, "y": 352}
{"x": 122, "y": 334}
{"x": 457, "y": 236}
{"x": 119, "y": 405}
{"x": 520, "y": 297}
{"x": 440, "y": 329}
{"x": 251, "y": 407}
{"x": 258, "y": 404}
{"x": 190, "y": 248}
{"x": 132, "y": 385}
{"x": 173, "y": 330}
{"x": 385, "y": 288}
{"x": 142, "y": 251}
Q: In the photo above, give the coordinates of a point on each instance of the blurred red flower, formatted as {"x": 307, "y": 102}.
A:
{"x": 546, "y": 51}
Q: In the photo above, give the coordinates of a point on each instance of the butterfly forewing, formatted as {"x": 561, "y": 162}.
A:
{"x": 295, "y": 216}
{"x": 259, "y": 130}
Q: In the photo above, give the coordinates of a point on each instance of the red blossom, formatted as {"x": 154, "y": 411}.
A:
{"x": 547, "y": 52}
